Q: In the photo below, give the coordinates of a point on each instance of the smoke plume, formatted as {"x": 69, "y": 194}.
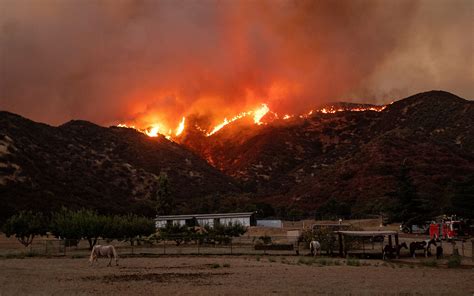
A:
{"x": 146, "y": 61}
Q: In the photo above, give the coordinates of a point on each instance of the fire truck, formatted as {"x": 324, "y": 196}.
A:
{"x": 449, "y": 228}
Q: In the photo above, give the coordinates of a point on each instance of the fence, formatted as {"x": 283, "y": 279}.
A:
{"x": 242, "y": 245}
{"x": 245, "y": 245}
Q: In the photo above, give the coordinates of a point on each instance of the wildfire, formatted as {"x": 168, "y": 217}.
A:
{"x": 180, "y": 128}
{"x": 257, "y": 114}
{"x": 155, "y": 129}
{"x": 359, "y": 109}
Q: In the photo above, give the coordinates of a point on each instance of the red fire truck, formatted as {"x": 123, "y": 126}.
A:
{"x": 449, "y": 228}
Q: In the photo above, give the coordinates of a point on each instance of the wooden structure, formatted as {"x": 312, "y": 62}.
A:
{"x": 366, "y": 234}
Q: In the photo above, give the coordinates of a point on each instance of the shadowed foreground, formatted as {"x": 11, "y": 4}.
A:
{"x": 226, "y": 275}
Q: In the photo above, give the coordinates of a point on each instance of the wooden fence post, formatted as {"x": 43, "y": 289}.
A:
{"x": 340, "y": 244}
{"x": 396, "y": 246}
{"x": 472, "y": 250}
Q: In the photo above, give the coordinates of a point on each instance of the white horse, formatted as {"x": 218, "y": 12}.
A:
{"x": 314, "y": 247}
{"x": 103, "y": 251}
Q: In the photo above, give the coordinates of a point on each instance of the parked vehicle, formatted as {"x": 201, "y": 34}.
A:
{"x": 415, "y": 228}
{"x": 450, "y": 228}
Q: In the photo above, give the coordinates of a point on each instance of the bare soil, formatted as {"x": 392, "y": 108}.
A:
{"x": 227, "y": 275}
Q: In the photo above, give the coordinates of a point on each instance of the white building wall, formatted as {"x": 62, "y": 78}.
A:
{"x": 244, "y": 221}
{"x": 160, "y": 224}
{"x": 204, "y": 222}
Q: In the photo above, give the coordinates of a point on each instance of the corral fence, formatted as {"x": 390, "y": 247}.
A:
{"x": 245, "y": 245}
{"x": 281, "y": 245}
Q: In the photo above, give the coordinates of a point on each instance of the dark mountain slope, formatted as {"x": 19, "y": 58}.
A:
{"x": 80, "y": 164}
{"x": 353, "y": 156}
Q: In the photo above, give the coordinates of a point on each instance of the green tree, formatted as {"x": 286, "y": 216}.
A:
{"x": 333, "y": 208}
{"x": 75, "y": 225}
{"x": 25, "y": 226}
{"x": 223, "y": 233}
{"x": 406, "y": 205}
{"x": 134, "y": 227}
{"x": 163, "y": 199}
{"x": 177, "y": 233}
{"x": 462, "y": 198}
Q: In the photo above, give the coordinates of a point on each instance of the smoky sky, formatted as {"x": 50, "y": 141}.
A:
{"x": 139, "y": 61}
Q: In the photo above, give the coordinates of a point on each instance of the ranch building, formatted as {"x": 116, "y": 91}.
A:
{"x": 245, "y": 219}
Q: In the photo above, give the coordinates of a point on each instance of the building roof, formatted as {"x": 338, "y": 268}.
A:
{"x": 204, "y": 216}
{"x": 367, "y": 233}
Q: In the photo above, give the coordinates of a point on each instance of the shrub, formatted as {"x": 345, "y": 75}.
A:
{"x": 214, "y": 265}
{"x": 454, "y": 261}
{"x": 226, "y": 265}
{"x": 430, "y": 263}
{"x": 353, "y": 262}
{"x": 308, "y": 262}
{"x": 266, "y": 239}
{"x": 31, "y": 254}
{"x": 323, "y": 261}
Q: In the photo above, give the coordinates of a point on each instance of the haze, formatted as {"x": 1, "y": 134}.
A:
{"x": 144, "y": 61}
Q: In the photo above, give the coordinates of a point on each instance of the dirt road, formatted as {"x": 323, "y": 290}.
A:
{"x": 222, "y": 275}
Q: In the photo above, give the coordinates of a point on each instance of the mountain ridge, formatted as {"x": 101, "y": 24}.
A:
{"x": 347, "y": 157}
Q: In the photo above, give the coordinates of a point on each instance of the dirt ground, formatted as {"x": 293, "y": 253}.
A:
{"x": 227, "y": 275}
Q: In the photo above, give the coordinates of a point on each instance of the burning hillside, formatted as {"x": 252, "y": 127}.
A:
{"x": 338, "y": 154}
{"x": 261, "y": 115}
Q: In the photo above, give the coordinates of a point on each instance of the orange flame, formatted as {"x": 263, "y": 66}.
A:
{"x": 180, "y": 128}
{"x": 257, "y": 116}
{"x": 157, "y": 129}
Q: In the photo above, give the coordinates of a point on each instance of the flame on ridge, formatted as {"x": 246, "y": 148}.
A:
{"x": 155, "y": 129}
{"x": 180, "y": 128}
{"x": 257, "y": 116}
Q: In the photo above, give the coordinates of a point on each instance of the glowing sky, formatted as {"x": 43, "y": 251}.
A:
{"x": 116, "y": 61}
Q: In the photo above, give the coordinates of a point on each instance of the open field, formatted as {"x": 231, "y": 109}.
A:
{"x": 227, "y": 275}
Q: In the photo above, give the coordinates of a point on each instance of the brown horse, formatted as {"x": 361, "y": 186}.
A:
{"x": 103, "y": 251}
{"x": 388, "y": 250}
{"x": 424, "y": 245}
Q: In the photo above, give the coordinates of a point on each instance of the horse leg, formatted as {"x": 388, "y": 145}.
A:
{"x": 110, "y": 261}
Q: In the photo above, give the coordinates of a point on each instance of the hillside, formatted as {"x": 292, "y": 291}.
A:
{"x": 342, "y": 163}
{"x": 352, "y": 157}
{"x": 80, "y": 164}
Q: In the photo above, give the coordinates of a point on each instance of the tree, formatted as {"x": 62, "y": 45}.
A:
{"x": 163, "y": 199}
{"x": 406, "y": 205}
{"x": 178, "y": 233}
{"x": 25, "y": 226}
{"x": 75, "y": 225}
{"x": 133, "y": 227}
{"x": 333, "y": 208}
{"x": 223, "y": 233}
{"x": 460, "y": 197}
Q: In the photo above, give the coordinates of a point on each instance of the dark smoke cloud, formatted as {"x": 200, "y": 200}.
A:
{"x": 114, "y": 61}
